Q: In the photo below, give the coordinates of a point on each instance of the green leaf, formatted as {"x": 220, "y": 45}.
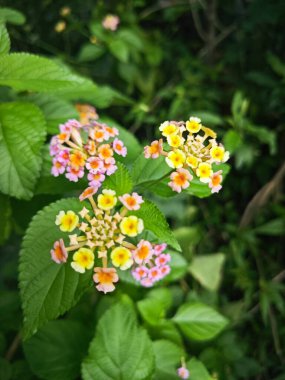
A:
{"x": 22, "y": 134}
{"x": 199, "y": 322}
{"x": 99, "y": 96}
{"x": 90, "y": 52}
{"x": 5, "y": 220}
{"x": 153, "y": 308}
{"x": 207, "y": 269}
{"x": 197, "y": 370}
{"x": 119, "y": 49}
{"x": 4, "y": 40}
{"x": 155, "y": 222}
{"x": 275, "y": 227}
{"x": 167, "y": 360}
{"x": 63, "y": 345}
{"x": 120, "y": 181}
{"x": 24, "y": 71}
{"x": 232, "y": 140}
{"x": 47, "y": 289}
{"x": 145, "y": 171}
{"x": 120, "y": 349}
{"x": 130, "y": 141}
{"x": 12, "y": 16}
{"x": 56, "y": 110}
{"x": 166, "y": 329}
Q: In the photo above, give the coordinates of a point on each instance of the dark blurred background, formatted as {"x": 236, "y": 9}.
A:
{"x": 225, "y": 62}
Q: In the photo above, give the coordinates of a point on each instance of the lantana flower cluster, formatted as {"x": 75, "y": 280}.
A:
{"x": 90, "y": 147}
{"x": 102, "y": 234}
{"x": 190, "y": 149}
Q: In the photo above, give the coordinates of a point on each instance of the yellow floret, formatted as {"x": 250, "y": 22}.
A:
{"x": 175, "y": 141}
{"x": 121, "y": 257}
{"x": 217, "y": 153}
{"x": 131, "y": 226}
{"x": 82, "y": 259}
{"x": 168, "y": 129}
{"x": 67, "y": 222}
{"x": 192, "y": 161}
{"x": 175, "y": 159}
{"x": 193, "y": 125}
{"x": 204, "y": 171}
{"x": 107, "y": 200}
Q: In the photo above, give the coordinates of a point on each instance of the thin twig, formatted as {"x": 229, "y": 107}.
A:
{"x": 13, "y": 347}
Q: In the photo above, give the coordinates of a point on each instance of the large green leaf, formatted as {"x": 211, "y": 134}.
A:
{"x": 99, "y": 96}
{"x": 4, "y": 40}
{"x": 56, "y": 351}
{"x": 47, "y": 289}
{"x": 12, "y": 16}
{"x": 199, "y": 322}
{"x": 120, "y": 181}
{"x": 155, "y": 222}
{"x": 167, "y": 360}
{"x": 24, "y": 71}
{"x": 22, "y": 134}
{"x": 197, "y": 370}
{"x": 207, "y": 269}
{"x": 120, "y": 349}
{"x": 56, "y": 110}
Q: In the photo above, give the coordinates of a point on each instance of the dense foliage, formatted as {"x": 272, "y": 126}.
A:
{"x": 222, "y": 306}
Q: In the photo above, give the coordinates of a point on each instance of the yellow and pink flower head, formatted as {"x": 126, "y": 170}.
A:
{"x": 101, "y": 234}
{"x": 87, "y": 147}
{"x": 190, "y": 150}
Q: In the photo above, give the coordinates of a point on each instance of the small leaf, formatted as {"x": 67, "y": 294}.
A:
{"x": 24, "y": 71}
{"x": 12, "y": 16}
{"x": 167, "y": 360}
{"x": 120, "y": 349}
{"x": 199, "y": 322}
{"x": 155, "y": 222}
{"x": 275, "y": 227}
{"x": 4, "y": 40}
{"x": 120, "y": 181}
{"x": 153, "y": 308}
{"x": 47, "y": 289}
{"x": 145, "y": 171}
{"x": 197, "y": 370}
{"x": 119, "y": 49}
{"x": 63, "y": 345}
{"x": 23, "y": 131}
{"x": 207, "y": 269}
{"x": 232, "y": 140}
